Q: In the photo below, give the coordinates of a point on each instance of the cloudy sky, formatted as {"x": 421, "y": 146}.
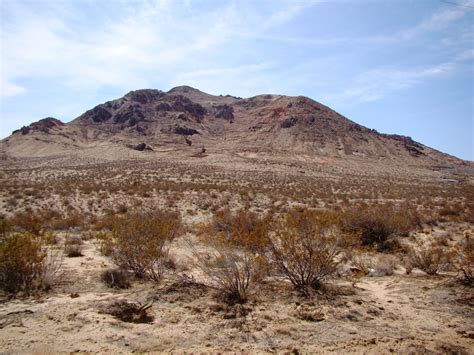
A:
{"x": 399, "y": 66}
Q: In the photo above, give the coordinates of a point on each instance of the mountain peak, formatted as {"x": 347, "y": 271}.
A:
{"x": 184, "y": 89}
{"x": 185, "y": 117}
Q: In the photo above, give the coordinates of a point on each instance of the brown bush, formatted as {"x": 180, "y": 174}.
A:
{"x": 242, "y": 229}
{"x": 5, "y": 227}
{"x": 379, "y": 226}
{"x": 429, "y": 258}
{"x": 28, "y": 222}
{"x": 140, "y": 242}
{"x": 105, "y": 243}
{"x": 22, "y": 259}
{"x": 304, "y": 252}
{"x": 73, "y": 246}
{"x": 115, "y": 278}
{"x": 464, "y": 260}
{"x": 233, "y": 270}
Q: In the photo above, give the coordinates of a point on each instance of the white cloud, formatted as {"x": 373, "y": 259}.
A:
{"x": 376, "y": 84}
{"x": 8, "y": 89}
{"x": 60, "y": 41}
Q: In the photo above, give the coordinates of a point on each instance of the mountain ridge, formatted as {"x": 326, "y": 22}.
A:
{"x": 184, "y": 119}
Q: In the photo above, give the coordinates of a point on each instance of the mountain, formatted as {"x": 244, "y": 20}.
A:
{"x": 185, "y": 121}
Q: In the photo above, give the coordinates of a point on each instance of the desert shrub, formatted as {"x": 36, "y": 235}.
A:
{"x": 105, "y": 222}
{"x": 5, "y": 227}
{"x": 361, "y": 264}
{"x": 234, "y": 271}
{"x": 463, "y": 260}
{"x": 28, "y": 222}
{"x": 379, "y": 227}
{"x": 431, "y": 259}
{"x": 115, "y": 278}
{"x": 50, "y": 238}
{"x": 73, "y": 246}
{"x": 105, "y": 243}
{"x": 385, "y": 265}
{"x": 304, "y": 252}
{"x": 22, "y": 260}
{"x": 73, "y": 220}
{"x": 140, "y": 242}
{"x": 241, "y": 229}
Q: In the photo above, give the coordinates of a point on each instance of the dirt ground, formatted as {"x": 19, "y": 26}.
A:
{"x": 406, "y": 314}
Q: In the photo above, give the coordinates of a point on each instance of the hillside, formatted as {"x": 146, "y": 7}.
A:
{"x": 185, "y": 122}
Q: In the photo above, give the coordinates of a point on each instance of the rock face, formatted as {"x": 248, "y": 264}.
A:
{"x": 270, "y": 124}
{"x": 45, "y": 125}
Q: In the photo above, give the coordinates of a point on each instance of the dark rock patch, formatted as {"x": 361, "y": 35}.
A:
{"x": 143, "y": 147}
{"x": 225, "y": 111}
{"x": 289, "y": 122}
{"x": 185, "y": 131}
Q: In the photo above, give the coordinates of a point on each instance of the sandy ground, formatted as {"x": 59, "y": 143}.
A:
{"x": 401, "y": 313}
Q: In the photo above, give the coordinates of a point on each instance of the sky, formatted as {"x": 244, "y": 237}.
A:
{"x": 398, "y": 66}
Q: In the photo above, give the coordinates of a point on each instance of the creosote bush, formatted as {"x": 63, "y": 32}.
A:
{"x": 22, "y": 262}
{"x": 73, "y": 246}
{"x": 431, "y": 259}
{"x": 140, "y": 242}
{"x": 233, "y": 270}
{"x": 28, "y": 221}
{"x": 242, "y": 229}
{"x": 304, "y": 251}
{"x": 379, "y": 226}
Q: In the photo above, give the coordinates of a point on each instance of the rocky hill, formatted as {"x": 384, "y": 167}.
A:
{"x": 186, "y": 121}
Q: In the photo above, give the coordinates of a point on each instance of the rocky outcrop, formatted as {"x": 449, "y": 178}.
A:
{"x": 44, "y": 125}
{"x": 185, "y": 131}
{"x": 224, "y": 111}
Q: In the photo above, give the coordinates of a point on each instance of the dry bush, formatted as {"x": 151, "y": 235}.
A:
{"x": 431, "y": 259}
{"x": 52, "y": 265}
{"x": 105, "y": 222}
{"x": 115, "y": 278}
{"x": 22, "y": 263}
{"x": 304, "y": 252}
{"x": 361, "y": 264}
{"x": 105, "y": 243}
{"x": 5, "y": 228}
{"x": 73, "y": 220}
{"x": 379, "y": 226}
{"x": 28, "y": 222}
{"x": 242, "y": 229}
{"x": 385, "y": 265}
{"x": 234, "y": 271}
{"x": 140, "y": 242}
{"x": 73, "y": 246}
{"x": 50, "y": 238}
{"x": 463, "y": 260}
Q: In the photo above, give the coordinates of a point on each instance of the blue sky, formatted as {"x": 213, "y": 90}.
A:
{"x": 399, "y": 66}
